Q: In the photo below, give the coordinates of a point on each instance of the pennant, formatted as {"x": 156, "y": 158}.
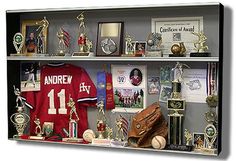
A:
{"x": 110, "y": 103}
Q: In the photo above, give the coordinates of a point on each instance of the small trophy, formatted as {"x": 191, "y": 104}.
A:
{"x": 102, "y": 127}
{"x": 18, "y": 42}
{"x": 119, "y": 130}
{"x": 176, "y": 108}
{"x": 19, "y": 119}
{"x": 84, "y": 43}
{"x": 188, "y": 137}
{"x": 129, "y": 46}
{"x": 63, "y": 42}
{"x": 38, "y": 131}
{"x": 154, "y": 42}
{"x": 178, "y": 50}
{"x": 200, "y": 46}
{"x": 73, "y": 124}
{"x": 41, "y": 38}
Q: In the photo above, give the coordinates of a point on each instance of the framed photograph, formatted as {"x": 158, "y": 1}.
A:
{"x": 30, "y": 77}
{"x": 154, "y": 85}
{"x": 198, "y": 140}
{"x": 165, "y": 93}
{"x": 176, "y": 30}
{"x": 140, "y": 48}
{"x": 110, "y": 39}
{"x": 129, "y": 87}
{"x": 165, "y": 75}
{"x": 33, "y": 42}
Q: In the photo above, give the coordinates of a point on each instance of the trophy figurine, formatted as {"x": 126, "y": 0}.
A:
{"x": 200, "y": 46}
{"x": 109, "y": 133}
{"x": 84, "y": 44}
{"x": 38, "y": 131}
{"x": 130, "y": 46}
{"x": 41, "y": 38}
{"x": 154, "y": 42}
{"x": 19, "y": 119}
{"x": 63, "y": 42}
{"x": 101, "y": 120}
{"x": 188, "y": 137}
{"x": 73, "y": 123}
{"x": 178, "y": 50}
{"x": 18, "y": 42}
{"x": 119, "y": 130}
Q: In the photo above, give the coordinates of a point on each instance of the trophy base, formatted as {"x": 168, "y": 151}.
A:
{"x": 154, "y": 54}
{"x": 176, "y": 55}
{"x": 104, "y": 142}
{"x": 209, "y": 151}
{"x": 127, "y": 55}
{"x": 83, "y": 54}
{"x": 179, "y": 147}
{"x": 196, "y": 54}
{"x": 18, "y": 54}
{"x": 36, "y": 138}
{"x": 73, "y": 140}
{"x": 119, "y": 143}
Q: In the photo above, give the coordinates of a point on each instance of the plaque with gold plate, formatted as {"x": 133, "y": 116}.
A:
{"x": 110, "y": 38}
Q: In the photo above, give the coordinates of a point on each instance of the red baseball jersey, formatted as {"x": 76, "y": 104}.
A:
{"x": 59, "y": 82}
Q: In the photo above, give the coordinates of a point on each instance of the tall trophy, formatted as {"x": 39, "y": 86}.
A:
{"x": 84, "y": 44}
{"x": 63, "y": 42}
{"x": 176, "y": 108}
{"x": 18, "y": 42}
{"x": 73, "y": 123}
{"x": 41, "y": 38}
{"x": 154, "y": 42}
{"x": 20, "y": 119}
{"x": 199, "y": 45}
{"x": 210, "y": 130}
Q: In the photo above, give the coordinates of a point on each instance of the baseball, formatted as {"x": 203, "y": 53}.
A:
{"x": 158, "y": 142}
{"x": 88, "y": 135}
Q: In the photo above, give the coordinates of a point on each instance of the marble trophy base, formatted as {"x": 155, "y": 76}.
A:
{"x": 115, "y": 143}
{"x": 209, "y": 151}
{"x": 73, "y": 140}
{"x": 104, "y": 142}
{"x": 36, "y": 138}
{"x": 196, "y": 54}
{"x": 176, "y": 55}
{"x": 82, "y": 54}
{"x": 154, "y": 54}
{"x": 179, "y": 147}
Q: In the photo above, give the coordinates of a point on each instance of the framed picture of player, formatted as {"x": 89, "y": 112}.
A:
{"x": 140, "y": 48}
{"x": 129, "y": 87}
{"x": 34, "y": 38}
{"x": 198, "y": 140}
{"x": 30, "y": 76}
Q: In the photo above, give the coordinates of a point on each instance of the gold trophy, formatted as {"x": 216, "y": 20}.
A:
{"x": 63, "y": 42}
{"x": 188, "y": 137}
{"x": 84, "y": 44}
{"x": 19, "y": 119}
{"x": 41, "y": 38}
{"x": 73, "y": 124}
{"x": 119, "y": 130}
{"x": 38, "y": 131}
{"x": 200, "y": 46}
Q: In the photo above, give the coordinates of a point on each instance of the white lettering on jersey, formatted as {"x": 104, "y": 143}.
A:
{"x": 84, "y": 88}
{"x": 58, "y": 79}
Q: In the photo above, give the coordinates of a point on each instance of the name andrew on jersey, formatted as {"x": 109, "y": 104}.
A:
{"x": 65, "y": 79}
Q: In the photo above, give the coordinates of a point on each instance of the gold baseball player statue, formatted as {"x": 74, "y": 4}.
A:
{"x": 71, "y": 104}
{"x": 38, "y": 129}
{"x": 41, "y": 38}
{"x": 120, "y": 132}
{"x": 199, "y": 44}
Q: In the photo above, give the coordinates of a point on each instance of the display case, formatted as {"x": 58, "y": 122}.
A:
{"x": 129, "y": 77}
